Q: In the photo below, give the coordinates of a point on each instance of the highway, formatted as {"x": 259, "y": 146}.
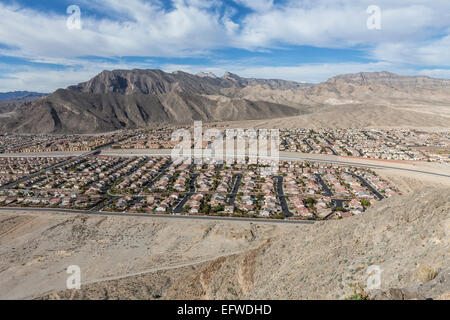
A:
{"x": 361, "y": 165}
{"x": 55, "y": 154}
{"x": 287, "y": 156}
{"x": 152, "y": 215}
{"x": 166, "y": 152}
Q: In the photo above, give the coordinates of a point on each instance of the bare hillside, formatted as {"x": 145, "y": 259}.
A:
{"x": 357, "y": 116}
{"x": 35, "y": 249}
{"x": 130, "y": 99}
{"x": 123, "y": 257}
{"x": 408, "y": 238}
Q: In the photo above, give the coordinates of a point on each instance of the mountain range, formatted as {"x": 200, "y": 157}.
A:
{"x": 127, "y": 99}
{"x": 20, "y": 95}
{"x": 11, "y": 100}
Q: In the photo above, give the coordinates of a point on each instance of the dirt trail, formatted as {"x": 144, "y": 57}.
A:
{"x": 12, "y": 224}
{"x": 114, "y": 247}
{"x": 178, "y": 266}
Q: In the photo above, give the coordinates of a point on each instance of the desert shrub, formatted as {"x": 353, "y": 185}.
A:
{"x": 426, "y": 274}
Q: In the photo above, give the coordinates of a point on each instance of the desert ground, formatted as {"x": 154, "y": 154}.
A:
{"x": 430, "y": 118}
{"x": 156, "y": 258}
{"x": 36, "y": 248}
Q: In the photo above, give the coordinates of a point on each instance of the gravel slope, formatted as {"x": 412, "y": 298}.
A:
{"x": 406, "y": 236}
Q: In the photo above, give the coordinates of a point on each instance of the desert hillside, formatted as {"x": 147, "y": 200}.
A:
{"x": 357, "y": 116}
{"x": 128, "y": 258}
{"x": 128, "y": 99}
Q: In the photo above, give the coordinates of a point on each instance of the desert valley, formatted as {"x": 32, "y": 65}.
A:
{"x": 363, "y": 179}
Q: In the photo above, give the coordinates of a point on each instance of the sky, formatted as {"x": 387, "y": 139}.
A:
{"x": 46, "y": 45}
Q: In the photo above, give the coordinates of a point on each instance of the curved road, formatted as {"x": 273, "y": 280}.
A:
{"x": 285, "y": 156}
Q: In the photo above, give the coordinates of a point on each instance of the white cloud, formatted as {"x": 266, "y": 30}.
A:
{"x": 312, "y": 73}
{"x": 342, "y": 23}
{"x": 44, "y": 80}
{"x": 258, "y": 5}
{"x": 414, "y": 32}
{"x": 436, "y": 73}
{"x": 431, "y": 53}
{"x": 149, "y": 31}
{"x": 41, "y": 79}
{"x": 196, "y": 26}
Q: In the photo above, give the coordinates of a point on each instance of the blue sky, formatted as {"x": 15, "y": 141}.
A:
{"x": 301, "y": 40}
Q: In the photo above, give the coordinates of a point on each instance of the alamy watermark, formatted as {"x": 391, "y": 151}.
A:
{"x": 374, "y": 277}
{"x": 74, "y": 20}
{"x": 74, "y": 280}
{"x": 374, "y": 20}
{"x": 250, "y": 146}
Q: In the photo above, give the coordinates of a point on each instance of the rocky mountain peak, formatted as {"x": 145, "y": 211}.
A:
{"x": 392, "y": 80}
{"x": 136, "y": 98}
{"x": 230, "y": 76}
{"x": 206, "y": 75}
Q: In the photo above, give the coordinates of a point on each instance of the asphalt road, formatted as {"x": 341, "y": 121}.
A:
{"x": 332, "y": 150}
{"x": 284, "y": 156}
{"x": 326, "y": 191}
{"x": 164, "y": 216}
{"x": 294, "y": 157}
{"x": 180, "y": 206}
{"x": 234, "y": 191}
{"x": 307, "y": 143}
{"x": 370, "y": 187}
{"x": 282, "y": 197}
{"x": 360, "y": 165}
